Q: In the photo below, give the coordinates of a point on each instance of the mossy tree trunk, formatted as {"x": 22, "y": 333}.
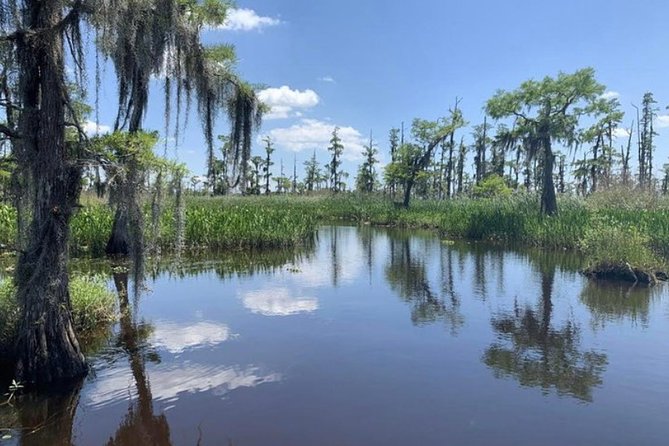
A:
{"x": 47, "y": 348}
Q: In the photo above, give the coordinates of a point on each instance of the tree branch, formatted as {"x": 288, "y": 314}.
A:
{"x": 9, "y": 132}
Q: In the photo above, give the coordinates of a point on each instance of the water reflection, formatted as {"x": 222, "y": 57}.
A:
{"x": 615, "y": 302}
{"x": 177, "y": 338}
{"x": 406, "y": 273}
{"x": 453, "y": 314}
{"x": 140, "y": 425}
{"x": 534, "y": 351}
{"x": 48, "y": 419}
{"x": 278, "y": 302}
{"x": 498, "y": 320}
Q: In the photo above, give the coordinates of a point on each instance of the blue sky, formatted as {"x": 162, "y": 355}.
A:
{"x": 370, "y": 65}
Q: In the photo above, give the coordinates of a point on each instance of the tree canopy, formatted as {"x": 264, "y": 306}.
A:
{"x": 547, "y": 112}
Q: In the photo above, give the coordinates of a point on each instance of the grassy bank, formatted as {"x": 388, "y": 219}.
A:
{"x": 93, "y": 307}
{"x": 234, "y": 223}
{"x": 281, "y": 221}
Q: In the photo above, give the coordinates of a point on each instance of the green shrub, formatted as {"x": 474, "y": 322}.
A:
{"x": 610, "y": 242}
{"x": 492, "y": 186}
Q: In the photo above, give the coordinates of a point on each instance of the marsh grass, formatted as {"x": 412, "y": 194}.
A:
{"x": 281, "y": 221}
{"x": 93, "y": 307}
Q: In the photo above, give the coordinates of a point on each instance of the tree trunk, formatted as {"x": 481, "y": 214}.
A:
{"x": 119, "y": 241}
{"x": 407, "y": 193}
{"x": 449, "y": 166}
{"x": 127, "y": 235}
{"x": 548, "y": 200}
{"x": 47, "y": 349}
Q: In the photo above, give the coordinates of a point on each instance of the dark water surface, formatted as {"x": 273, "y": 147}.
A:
{"x": 372, "y": 337}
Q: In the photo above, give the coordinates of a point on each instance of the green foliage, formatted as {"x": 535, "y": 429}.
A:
{"x": 210, "y": 12}
{"x": 119, "y": 147}
{"x": 402, "y": 169}
{"x": 492, "y": 186}
{"x": 7, "y": 224}
{"x": 545, "y": 112}
{"x": 287, "y": 221}
{"x": 92, "y": 302}
{"x": 93, "y": 306}
{"x": 611, "y": 242}
{"x": 312, "y": 172}
{"x": 235, "y": 222}
{"x": 9, "y": 314}
{"x": 90, "y": 228}
{"x": 411, "y": 161}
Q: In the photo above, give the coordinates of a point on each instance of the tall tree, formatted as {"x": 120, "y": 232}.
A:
{"x": 460, "y": 167}
{"x": 269, "y": 149}
{"x": 366, "y": 179}
{"x": 647, "y": 140}
{"x": 413, "y": 159}
{"x": 625, "y": 156}
{"x": 546, "y": 112}
{"x": 162, "y": 38}
{"x": 336, "y": 148}
{"x": 142, "y": 39}
{"x": 312, "y": 173}
{"x": 294, "y": 185}
{"x": 257, "y": 162}
{"x": 47, "y": 349}
{"x": 599, "y": 136}
{"x": 481, "y": 142}
{"x": 457, "y": 121}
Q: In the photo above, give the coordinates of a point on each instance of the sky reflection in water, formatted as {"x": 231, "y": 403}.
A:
{"x": 373, "y": 337}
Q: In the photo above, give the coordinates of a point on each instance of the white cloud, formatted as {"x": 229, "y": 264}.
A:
{"x": 310, "y": 134}
{"x": 91, "y": 128}
{"x": 663, "y": 121}
{"x": 329, "y": 79}
{"x": 284, "y": 101}
{"x": 621, "y": 133}
{"x": 242, "y": 19}
{"x": 610, "y": 95}
{"x": 278, "y": 302}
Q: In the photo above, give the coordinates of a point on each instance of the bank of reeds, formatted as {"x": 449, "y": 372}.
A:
{"x": 209, "y": 224}
{"x": 281, "y": 220}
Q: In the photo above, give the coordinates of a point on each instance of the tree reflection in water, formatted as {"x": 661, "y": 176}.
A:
{"x": 140, "y": 425}
{"x": 406, "y": 273}
{"x": 532, "y": 350}
{"x": 617, "y": 302}
{"x": 47, "y": 418}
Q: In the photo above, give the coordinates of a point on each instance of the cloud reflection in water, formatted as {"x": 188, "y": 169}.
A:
{"x": 168, "y": 383}
{"x": 177, "y": 338}
{"x": 278, "y": 302}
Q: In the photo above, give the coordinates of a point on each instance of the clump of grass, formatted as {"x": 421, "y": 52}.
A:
{"x": 93, "y": 307}
{"x": 619, "y": 250}
{"x": 90, "y": 229}
{"x": 93, "y": 304}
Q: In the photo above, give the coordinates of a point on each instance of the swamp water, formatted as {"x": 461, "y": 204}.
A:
{"x": 371, "y": 337}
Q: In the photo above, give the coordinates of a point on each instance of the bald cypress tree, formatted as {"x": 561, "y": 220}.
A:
{"x": 143, "y": 39}
{"x": 545, "y": 112}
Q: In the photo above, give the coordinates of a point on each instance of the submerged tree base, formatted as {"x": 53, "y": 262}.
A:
{"x": 625, "y": 272}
